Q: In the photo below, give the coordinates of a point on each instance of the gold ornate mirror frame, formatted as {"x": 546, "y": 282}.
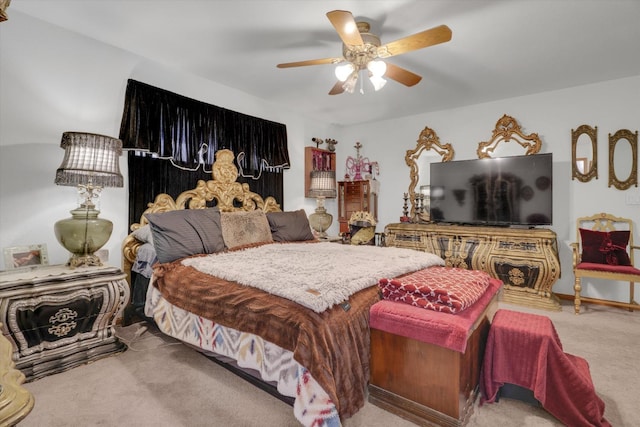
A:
{"x": 632, "y": 179}
{"x": 589, "y": 169}
{"x": 427, "y": 140}
{"x": 507, "y": 128}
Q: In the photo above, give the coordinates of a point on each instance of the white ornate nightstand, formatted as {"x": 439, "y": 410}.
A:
{"x": 57, "y": 318}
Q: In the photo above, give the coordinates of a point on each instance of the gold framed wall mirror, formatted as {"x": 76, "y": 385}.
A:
{"x": 623, "y": 159}
{"x": 508, "y": 130}
{"x": 584, "y": 153}
{"x": 428, "y": 149}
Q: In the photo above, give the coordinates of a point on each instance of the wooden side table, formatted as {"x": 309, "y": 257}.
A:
{"x": 57, "y": 318}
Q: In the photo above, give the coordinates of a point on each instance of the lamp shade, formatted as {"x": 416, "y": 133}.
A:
{"x": 323, "y": 184}
{"x": 90, "y": 159}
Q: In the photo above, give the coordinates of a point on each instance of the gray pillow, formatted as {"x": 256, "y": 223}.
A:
{"x": 290, "y": 226}
{"x": 143, "y": 234}
{"x": 185, "y": 232}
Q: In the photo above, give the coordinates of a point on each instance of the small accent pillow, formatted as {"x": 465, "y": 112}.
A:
{"x": 290, "y": 226}
{"x": 605, "y": 247}
{"x": 143, "y": 234}
{"x": 185, "y": 232}
{"x": 242, "y": 228}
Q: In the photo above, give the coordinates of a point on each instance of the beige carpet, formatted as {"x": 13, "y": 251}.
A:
{"x": 160, "y": 382}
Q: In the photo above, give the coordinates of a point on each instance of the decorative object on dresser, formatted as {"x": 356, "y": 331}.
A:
{"x": 362, "y": 228}
{"x": 428, "y": 149}
{"x": 584, "y": 166}
{"x": 627, "y": 159}
{"x": 90, "y": 163}
{"x": 526, "y": 260}
{"x": 15, "y": 401}
{"x": 57, "y": 318}
{"x": 25, "y": 256}
{"x": 323, "y": 185}
{"x": 604, "y": 250}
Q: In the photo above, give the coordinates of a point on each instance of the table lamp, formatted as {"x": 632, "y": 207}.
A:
{"x": 323, "y": 185}
{"x": 90, "y": 163}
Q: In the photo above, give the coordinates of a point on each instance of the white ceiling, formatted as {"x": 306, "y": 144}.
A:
{"x": 499, "y": 49}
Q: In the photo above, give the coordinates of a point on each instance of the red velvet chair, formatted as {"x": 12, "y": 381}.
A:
{"x": 605, "y": 251}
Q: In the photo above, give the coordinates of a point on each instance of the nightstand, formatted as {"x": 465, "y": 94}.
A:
{"x": 57, "y": 318}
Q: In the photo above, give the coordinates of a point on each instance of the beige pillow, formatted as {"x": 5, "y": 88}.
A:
{"x": 243, "y": 228}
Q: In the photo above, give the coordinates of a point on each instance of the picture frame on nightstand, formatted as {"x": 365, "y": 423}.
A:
{"x": 25, "y": 256}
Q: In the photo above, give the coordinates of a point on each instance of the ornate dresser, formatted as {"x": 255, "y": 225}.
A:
{"x": 525, "y": 259}
{"x": 57, "y": 318}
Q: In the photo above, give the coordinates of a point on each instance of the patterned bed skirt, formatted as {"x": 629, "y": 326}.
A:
{"x": 312, "y": 406}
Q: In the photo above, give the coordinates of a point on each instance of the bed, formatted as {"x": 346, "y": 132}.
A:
{"x": 277, "y": 304}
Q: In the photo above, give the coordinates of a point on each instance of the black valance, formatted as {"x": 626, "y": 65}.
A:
{"x": 189, "y": 132}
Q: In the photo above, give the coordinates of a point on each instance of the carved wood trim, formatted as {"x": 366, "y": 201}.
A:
{"x": 507, "y": 128}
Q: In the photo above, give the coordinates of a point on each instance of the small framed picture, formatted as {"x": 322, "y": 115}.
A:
{"x": 25, "y": 256}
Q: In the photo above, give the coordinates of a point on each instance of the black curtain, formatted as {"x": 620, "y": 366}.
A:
{"x": 181, "y": 136}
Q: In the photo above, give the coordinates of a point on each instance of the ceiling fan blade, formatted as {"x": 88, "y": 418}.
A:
{"x": 401, "y": 75}
{"x": 337, "y": 89}
{"x": 311, "y": 62}
{"x": 346, "y": 26}
{"x": 416, "y": 41}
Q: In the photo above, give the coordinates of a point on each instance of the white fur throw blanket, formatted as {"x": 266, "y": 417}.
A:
{"x": 315, "y": 275}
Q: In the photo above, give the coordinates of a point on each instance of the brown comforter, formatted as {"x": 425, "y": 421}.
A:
{"x": 333, "y": 345}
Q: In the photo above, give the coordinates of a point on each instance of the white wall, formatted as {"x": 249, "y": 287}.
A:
{"x": 52, "y": 80}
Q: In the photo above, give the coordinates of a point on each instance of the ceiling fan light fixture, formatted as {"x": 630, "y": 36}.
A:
{"x": 350, "y": 84}
{"x": 377, "y": 67}
{"x": 343, "y": 71}
{"x": 378, "y": 82}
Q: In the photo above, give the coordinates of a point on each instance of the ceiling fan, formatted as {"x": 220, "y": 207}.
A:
{"x": 362, "y": 50}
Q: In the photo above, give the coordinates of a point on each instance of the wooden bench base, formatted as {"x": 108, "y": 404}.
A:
{"x": 425, "y": 383}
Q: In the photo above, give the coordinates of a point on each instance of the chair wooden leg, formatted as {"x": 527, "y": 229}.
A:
{"x": 577, "y": 287}
{"x": 632, "y": 286}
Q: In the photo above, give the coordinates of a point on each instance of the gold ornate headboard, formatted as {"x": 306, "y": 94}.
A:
{"x": 228, "y": 195}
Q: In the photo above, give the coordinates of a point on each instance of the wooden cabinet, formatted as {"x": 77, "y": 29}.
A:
{"x": 355, "y": 196}
{"x": 57, "y": 318}
{"x": 316, "y": 159}
{"x": 525, "y": 259}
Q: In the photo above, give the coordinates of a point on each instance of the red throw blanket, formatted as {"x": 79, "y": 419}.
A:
{"x": 525, "y": 350}
{"x": 444, "y": 289}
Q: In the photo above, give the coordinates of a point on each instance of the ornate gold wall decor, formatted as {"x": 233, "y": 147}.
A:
{"x": 507, "y": 129}
{"x": 427, "y": 140}
{"x": 584, "y": 169}
{"x": 632, "y": 179}
{"x": 526, "y": 260}
{"x": 4, "y": 4}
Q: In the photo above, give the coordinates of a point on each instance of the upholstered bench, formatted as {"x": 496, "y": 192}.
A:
{"x": 524, "y": 350}
{"x": 425, "y": 365}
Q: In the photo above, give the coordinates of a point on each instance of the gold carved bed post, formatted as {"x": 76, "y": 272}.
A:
{"x": 228, "y": 195}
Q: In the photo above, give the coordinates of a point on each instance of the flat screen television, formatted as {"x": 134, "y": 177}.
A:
{"x": 501, "y": 191}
